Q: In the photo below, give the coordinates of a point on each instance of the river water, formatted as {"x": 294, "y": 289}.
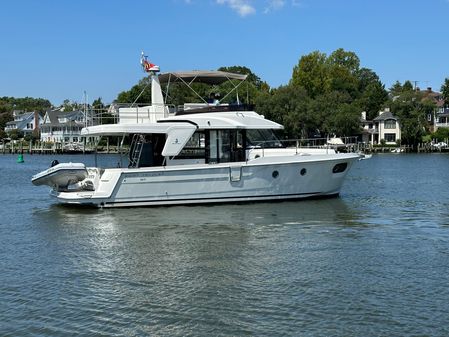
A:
{"x": 373, "y": 262}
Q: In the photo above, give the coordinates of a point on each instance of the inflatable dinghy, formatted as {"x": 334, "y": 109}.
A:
{"x": 61, "y": 175}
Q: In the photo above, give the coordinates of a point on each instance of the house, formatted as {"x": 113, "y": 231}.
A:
{"x": 62, "y": 126}
{"x": 441, "y": 119}
{"x": 440, "y": 116}
{"x": 386, "y": 126}
{"x": 26, "y": 122}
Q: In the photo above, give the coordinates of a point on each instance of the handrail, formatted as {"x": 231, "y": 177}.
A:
{"x": 348, "y": 144}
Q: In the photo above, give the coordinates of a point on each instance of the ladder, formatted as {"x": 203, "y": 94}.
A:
{"x": 135, "y": 150}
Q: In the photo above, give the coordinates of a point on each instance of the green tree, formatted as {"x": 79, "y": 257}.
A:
{"x": 412, "y": 111}
{"x": 98, "y": 104}
{"x": 366, "y": 77}
{"x": 247, "y": 92}
{"x": 139, "y": 93}
{"x": 373, "y": 99}
{"x": 441, "y": 135}
{"x": 408, "y": 86}
{"x": 252, "y": 78}
{"x": 312, "y": 73}
{"x": 396, "y": 89}
{"x": 8, "y": 104}
{"x": 345, "y": 59}
{"x": 286, "y": 105}
{"x": 345, "y": 121}
{"x": 15, "y": 134}
{"x": 343, "y": 68}
{"x": 5, "y": 118}
{"x": 67, "y": 105}
{"x": 323, "y": 107}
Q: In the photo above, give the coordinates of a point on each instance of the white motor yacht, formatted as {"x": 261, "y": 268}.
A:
{"x": 203, "y": 153}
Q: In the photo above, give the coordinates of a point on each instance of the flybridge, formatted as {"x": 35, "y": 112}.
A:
{"x": 206, "y": 77}
{"x": 159, "y": 108}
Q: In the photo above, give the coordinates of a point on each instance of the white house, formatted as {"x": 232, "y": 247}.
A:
{"x": 441, "y": 119}
{"x": 385, "y": 126}
{"x": 25, "y": 122}
{"x": 62, "y": 127}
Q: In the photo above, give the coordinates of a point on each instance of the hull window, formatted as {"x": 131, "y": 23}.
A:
{"x": 340, "y": 168}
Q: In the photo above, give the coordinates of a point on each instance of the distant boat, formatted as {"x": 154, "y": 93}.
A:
{"x": 364, "y": 156}
{"x": 397, "y": 150}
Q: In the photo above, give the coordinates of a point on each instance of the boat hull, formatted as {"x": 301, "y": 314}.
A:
{"x": 262, "y": 179}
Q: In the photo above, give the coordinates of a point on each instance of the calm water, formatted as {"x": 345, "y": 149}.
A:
{"x": 374, "y": 262}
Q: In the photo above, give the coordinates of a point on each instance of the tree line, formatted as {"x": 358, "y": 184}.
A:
{"x": 325, "y": 96}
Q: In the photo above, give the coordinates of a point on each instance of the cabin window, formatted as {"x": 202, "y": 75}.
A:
{"x": 195, "y": 147}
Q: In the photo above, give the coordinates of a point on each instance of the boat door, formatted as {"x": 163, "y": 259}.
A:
{"x": 225, "y": 146}
{"x": 235, "y": 173}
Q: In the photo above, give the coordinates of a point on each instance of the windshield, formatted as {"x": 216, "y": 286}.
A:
{"x": 263, "y": 138}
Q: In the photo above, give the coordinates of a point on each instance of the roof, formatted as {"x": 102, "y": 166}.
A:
{"x": 54, "y": 115}
{"x": 385, "y": 115}
{"x": 22, "y": 123}
{"x": 212, "y": 77}
{"x": 227, "y": 120}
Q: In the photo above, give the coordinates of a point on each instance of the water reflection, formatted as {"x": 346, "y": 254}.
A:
{"x": 335, "y": 211}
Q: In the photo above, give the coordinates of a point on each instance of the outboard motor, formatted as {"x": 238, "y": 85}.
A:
{"x": 54, "y": 163}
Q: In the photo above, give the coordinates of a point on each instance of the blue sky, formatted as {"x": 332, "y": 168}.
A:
{"x": 57, "y": 49}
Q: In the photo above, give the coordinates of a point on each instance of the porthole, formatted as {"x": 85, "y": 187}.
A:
{"x": 303, "y": 171}
{"x": 256, "y": 156}
{"x": 275, "y": 174}
{"x": 340, "y": 168}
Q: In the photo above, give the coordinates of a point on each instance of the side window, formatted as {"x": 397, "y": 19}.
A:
{"x": 195, "y": 147}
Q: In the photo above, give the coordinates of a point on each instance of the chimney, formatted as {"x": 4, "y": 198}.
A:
{"x": 36, "y": 121}
{"x": 429, "y": 89}
{"x": 384, "y": 110}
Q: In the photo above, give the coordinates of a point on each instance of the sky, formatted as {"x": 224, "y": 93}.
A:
{"x": 59, "y": 49}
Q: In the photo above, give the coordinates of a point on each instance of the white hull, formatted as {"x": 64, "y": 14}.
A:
{"x": 256, "y": 180}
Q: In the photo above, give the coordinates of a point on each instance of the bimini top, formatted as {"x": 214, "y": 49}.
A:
{"x": 202, "y": 76}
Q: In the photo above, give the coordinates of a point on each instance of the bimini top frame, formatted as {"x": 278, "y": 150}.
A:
{"x": 202, "y": 76}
